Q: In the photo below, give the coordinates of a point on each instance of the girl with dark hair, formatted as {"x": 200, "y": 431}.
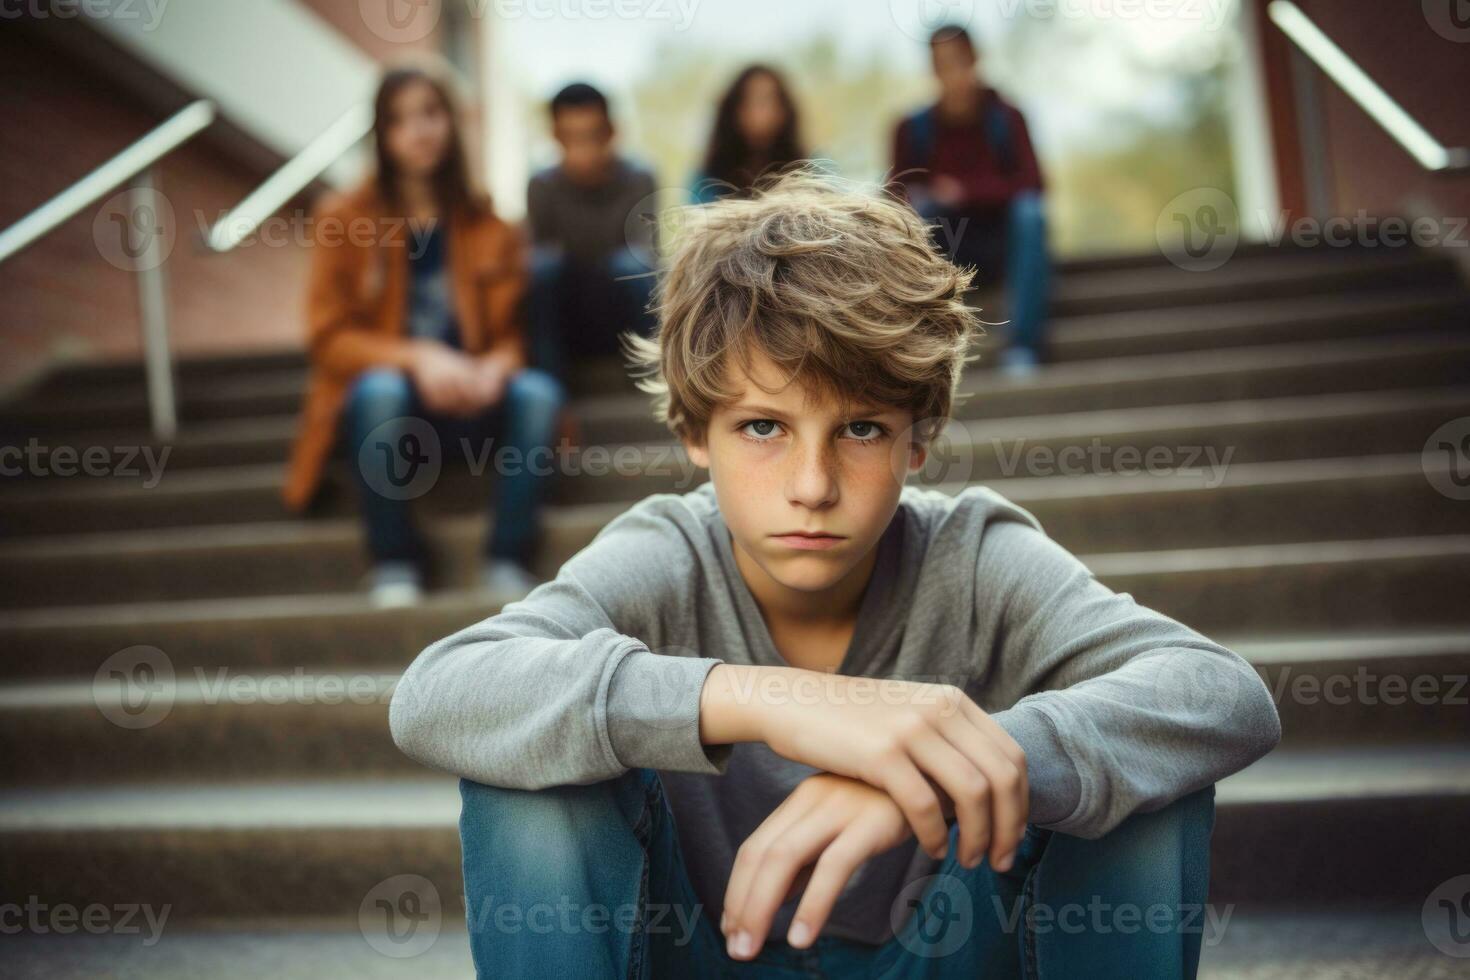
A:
{"x": 756, "y": 134}
{"x": 416, "y": 344}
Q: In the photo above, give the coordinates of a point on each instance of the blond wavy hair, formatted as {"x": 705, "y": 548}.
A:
{"x": 840, "y": 286}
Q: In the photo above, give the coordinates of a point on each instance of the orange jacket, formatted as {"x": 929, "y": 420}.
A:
{"x": 356, "y": 310}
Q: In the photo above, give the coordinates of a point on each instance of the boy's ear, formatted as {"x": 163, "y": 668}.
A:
{"x": 697, "y": 452}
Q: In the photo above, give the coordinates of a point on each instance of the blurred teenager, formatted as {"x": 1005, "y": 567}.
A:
{"x": 757, "y": 132}
{"x": 416, "y": 349}
{"x": 966, "y": 163}
{"x": 593, "y": 240}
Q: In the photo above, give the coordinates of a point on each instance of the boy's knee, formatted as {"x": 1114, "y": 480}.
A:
{"x": 538, "y": 827}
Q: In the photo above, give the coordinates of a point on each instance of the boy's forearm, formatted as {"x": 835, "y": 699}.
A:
{"x": 727, "y": 710}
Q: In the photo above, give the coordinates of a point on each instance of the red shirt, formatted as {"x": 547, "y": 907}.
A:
{"x": 962, "y": 150}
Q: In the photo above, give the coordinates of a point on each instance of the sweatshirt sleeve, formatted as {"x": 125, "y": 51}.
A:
{"x": 569, "y": 685}
{"x": 1121, "y": 709}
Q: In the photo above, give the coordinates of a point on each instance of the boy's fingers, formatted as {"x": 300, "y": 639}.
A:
{"x": 836, "y": 866}
{"x": 747, "y": 862}
{"x": 966, "y": 785}
{"x": 919, "y": 803}
{"x": 778, "y": 866}
{"x": 1009, "y": 812}
{"x": 1008, "y": 788}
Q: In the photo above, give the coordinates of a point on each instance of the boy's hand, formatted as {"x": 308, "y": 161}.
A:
{"x": 817, "y": 838}
{"x": 892, "y": 734}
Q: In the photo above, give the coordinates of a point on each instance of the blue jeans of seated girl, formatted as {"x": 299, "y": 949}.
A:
{"x": 587, "y": 881}
{"x": 395, "y": 447}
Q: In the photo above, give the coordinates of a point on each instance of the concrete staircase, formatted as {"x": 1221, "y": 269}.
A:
{"x": 266, "y": 809}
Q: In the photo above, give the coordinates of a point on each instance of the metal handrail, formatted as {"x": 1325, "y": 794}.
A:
{"x": 291, "y": 179}
{"x": 134, "y": 165}
{"x": 168, "y": 136}
{"x": 1433, "y": 155}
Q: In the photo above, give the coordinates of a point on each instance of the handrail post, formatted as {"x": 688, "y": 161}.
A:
{"x": 153, "y": 310}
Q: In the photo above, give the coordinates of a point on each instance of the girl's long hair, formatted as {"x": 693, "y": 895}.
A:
{"x": 730, "y": 161}
{"x": 455, "y": 189}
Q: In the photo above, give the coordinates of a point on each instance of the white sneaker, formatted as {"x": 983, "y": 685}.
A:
{"x": 506, "y": 579}
{"x": 395, "y": 585}
{"x": 1018, "y": 362}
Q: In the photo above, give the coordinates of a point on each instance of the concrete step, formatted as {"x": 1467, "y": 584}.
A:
{"x": 1176, "y": 436}
{"x": 241, "y": 428}
{"x": 319, "y": 848}
{"x": 1339, "y": 585}
{"x": 1398, "y": 686}
{"x": 1246, "y": 503}
{"x": 1127, "y": 281}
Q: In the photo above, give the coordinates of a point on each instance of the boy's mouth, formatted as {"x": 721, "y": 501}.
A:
{"x": 808, "y": 540}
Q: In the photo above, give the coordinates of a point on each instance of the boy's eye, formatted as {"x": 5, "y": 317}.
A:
{"x": 759, "y": 429}
{"x": 865, "y": 431}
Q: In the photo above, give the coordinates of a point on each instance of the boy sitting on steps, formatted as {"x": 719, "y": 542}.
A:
{"x": 807, "y": 716}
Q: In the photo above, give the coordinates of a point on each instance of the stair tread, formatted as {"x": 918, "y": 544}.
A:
{"x": 1021, "y": 490}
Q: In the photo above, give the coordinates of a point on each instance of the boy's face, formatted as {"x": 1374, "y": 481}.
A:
{"x": 788, "y": 462}
{"x": 586, "y": 138}
{"x": 955, "y": 66}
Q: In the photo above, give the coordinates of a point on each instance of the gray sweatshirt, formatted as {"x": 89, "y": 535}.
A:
{"x": 1119, "y": 708}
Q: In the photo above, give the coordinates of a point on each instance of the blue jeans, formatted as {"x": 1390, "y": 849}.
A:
{"x": 396, "y": 447}
{"x": 587, "y": 881}
{"x": 577, "y": 307}
{"x": 1015, "y": 238}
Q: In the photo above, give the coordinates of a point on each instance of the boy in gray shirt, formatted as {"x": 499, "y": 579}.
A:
{"x": 807, "y": 716}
